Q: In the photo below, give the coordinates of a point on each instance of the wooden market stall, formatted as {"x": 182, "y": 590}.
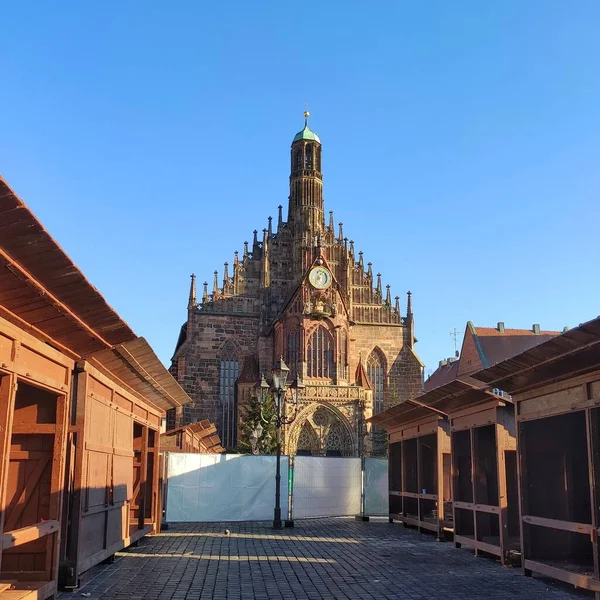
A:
{"x": 556, "y": 390}
{"x": 122, "y": 394}
{"x": 50, "y": 316}
{"x": 81, "y": 399}
{"x": 484, "y": 476}
{"x": 200, "y": 437}
{"x": 34, "y": 404}
{"x": 420, "y": 491}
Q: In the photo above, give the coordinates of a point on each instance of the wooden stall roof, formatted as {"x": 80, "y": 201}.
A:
{"x": 401, "y": 414}
{"x": 44, "y": 293}
{"x": 41, "y": 287}
{"x": 460, "y": 394}
{"x": 574, "y": 352}
{"x": 136, "y": 365}
{"x": 444, "y": 400}
{"x": 205, "y": 432}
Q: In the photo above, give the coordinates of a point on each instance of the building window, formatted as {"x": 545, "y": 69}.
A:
{"x": 344, "y": 354}
{"x": 319, "y": 355}
{"x": 309, "y": 157}
{"x": 228, "y": 374}
{"x": 292, "y": 347}
{"x": 298, "y": 160}
{"x": 375, "y": 372}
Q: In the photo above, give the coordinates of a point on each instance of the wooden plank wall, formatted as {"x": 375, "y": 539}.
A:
{"x": 114, "y": 481}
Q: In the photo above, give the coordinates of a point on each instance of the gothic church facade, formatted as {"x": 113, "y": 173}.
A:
{"x": 301, "y": 293}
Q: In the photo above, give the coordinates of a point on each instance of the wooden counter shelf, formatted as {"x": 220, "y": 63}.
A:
{"x": 27, "y": 590}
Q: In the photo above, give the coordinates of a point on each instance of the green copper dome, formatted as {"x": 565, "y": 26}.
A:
{"x": 306, "y": 134}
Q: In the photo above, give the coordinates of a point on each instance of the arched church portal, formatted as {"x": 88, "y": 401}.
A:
{"x": 321, "y": 430}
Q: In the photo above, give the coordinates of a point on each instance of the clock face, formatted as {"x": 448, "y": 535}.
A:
{"x": 320, "y": 278}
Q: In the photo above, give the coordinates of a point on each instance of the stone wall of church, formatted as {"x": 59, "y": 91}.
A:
{"x": 204, "y": 348}
{"x": 404, "y": 377}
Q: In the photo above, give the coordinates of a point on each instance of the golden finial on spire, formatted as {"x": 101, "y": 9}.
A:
{"x": 306, "y": 115}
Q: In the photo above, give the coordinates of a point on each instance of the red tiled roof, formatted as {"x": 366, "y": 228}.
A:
{"x": 574, "y": 352}
{"x": 442, "y": 375}
{"x": 483, "y": 347}
{"x": 493, "y": 331}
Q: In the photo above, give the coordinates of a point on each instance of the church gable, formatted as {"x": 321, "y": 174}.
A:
{"x": 297, "y": 291}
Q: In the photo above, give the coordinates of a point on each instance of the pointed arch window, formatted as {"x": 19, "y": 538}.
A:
{"x": 297, "y": 162}
{"x": 292, "y": 349}
{"x": 375, "y": 371}
{"x": 228, "y": 374}
{"x": 344, "y": 354}
{"x": 319, "y": 354}
{"x": 308, "y": 161}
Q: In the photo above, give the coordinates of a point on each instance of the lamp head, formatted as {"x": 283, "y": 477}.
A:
{"x": 280, "y": 373}
{"x": 297, "y": 387}
{"x": 261, "y": 389}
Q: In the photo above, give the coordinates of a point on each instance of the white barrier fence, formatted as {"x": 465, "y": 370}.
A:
{"x": 376, "y": 486}
{"x": 234, "y": 487}
{"x": 326, "y": 486}
{"x": 223, "y": 487}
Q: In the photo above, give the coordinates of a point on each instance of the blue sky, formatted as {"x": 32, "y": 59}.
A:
{"x": 460, "y": 146}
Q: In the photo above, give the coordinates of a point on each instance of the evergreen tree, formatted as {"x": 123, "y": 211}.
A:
{"x": 251, "y": 418}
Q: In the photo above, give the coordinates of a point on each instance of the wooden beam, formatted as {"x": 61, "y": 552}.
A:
{"x": 584, "y": 528}
{"x": 28, "y": 534}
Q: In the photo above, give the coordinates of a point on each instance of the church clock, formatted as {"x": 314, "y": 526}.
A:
{"x": 320, "y": 278}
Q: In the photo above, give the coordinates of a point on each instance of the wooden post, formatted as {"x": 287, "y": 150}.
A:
{"x": 8, "y": 388}
{"x": 592, "y": 441}
{"x": 143, "y": 478}
{"x": 473, "y": 492}
{"x": 502, "y": 490}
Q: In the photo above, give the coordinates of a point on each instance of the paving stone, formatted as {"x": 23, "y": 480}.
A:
{"x": 319, "y": 559}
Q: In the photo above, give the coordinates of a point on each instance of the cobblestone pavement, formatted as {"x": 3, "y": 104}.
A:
{"x": 323, "y": 558}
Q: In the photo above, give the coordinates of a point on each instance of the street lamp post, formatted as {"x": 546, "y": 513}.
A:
{"x": 280, "y": 374}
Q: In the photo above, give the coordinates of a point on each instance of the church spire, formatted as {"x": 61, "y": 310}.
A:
{"x": 225, "y": 277}
{"x": 192, "y": 298}
{"x": 410, "y": 322}
{"x": 305, "y": 212}
{"x": 236, "y": 273}
{"x": 265, "y": 276}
